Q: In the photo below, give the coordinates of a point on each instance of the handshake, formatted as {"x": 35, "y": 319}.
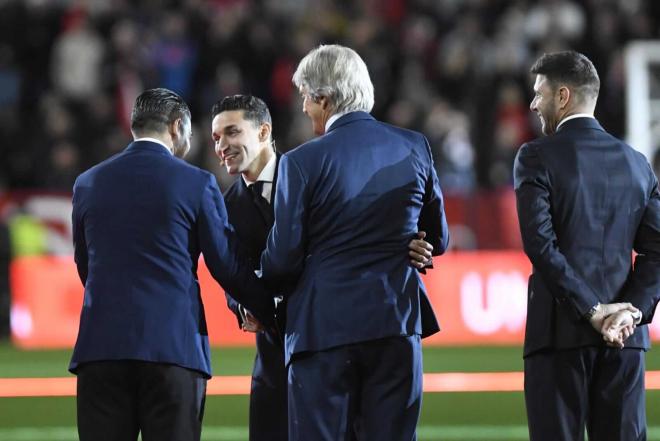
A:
{"x": 615, "y": 321}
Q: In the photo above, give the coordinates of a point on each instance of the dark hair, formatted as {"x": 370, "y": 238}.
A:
{"x": 254, "y": 108}
{"x": 154, "y": 109}
{"x": 570, "y": 68}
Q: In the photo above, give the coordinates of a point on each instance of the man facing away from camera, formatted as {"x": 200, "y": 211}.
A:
{"x": 586, "y": 201}
{"x": 140, "y": 221}
{"x": 347, "y": 204}
{"x": 242, "y": 135}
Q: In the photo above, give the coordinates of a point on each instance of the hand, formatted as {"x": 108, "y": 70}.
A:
{"x": 251, "y": 324}
{"x": 618, "y": 327}
{"x": 605, "y": 310}
{"x": 420, "y": 251}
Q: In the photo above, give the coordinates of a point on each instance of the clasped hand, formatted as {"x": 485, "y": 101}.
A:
{"x": 615, "y": 322}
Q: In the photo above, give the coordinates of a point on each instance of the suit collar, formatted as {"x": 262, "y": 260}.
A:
{"x": 150, "y": 146}
{"x": 580, "y": 123}
{"x": 349, "y": 118}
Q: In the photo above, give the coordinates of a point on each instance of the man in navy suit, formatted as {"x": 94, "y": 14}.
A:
{"x": 347, "y": 205}
{"x": 140, "y": 221}
{"x": 242, "y": 135}
{"x": 586, "y": 201}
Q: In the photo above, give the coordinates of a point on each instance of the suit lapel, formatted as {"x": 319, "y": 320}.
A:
{"x": 272, "y": 191}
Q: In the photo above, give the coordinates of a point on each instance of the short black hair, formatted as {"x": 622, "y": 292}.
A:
{"x": 154, "y": 109}
{"x": 255, "y": 110}
{"x": 571, "y": 68}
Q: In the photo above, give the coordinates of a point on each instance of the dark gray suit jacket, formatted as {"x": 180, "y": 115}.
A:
{"x": 585, "y": 201}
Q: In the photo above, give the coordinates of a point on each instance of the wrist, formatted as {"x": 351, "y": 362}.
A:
{"x": 594, "y": 311}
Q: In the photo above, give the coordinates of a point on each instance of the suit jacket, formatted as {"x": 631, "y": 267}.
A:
{"x": 346, "y": 206}
{"x": 140, "y": 221}
{"x": 250, "y": 224}
{"x": 585, "y": 201}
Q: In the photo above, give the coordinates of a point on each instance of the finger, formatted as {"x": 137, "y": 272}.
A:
{"x": 611, "y": 336}
{"x": 419, "y": 257}
{"x": 421, "y": 234}
{"x": 627, "y": 332}
{"x": 425, "y": 245}
{"x": 615, "y": 344}
{"x": 420, "y": 246}
{"x": 607, "y": 324}
{"x": 420, "y": 252}
{"x": 416, "y": 256}
{"x": 611, "y": 322}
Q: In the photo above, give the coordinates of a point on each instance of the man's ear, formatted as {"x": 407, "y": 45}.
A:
{"x": 264, "y": 131}
{"x": 564, "y": 96}
{"x": 174, "y": 128}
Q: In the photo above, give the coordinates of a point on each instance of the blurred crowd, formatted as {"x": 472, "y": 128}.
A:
{"x": 457, "y": 70}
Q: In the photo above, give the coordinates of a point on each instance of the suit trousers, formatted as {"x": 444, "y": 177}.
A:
{"x": 599, "y": 388}
{"x": 118, "y": 399}
{"x": 268, "y": 393}
{"x": 365, "y": 391}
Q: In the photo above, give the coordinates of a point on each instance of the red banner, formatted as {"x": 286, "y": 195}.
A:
{"x": 479, "y": 297}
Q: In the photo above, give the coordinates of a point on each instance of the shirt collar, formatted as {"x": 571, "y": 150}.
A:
{"x": 570, "y": 117}
{"x": 332, "y": 120}
{"x": 267, "y": 174}
{"x": 157, "y": 141}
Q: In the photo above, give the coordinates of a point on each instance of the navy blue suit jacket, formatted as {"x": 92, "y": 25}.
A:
{"x": 140, "y": 221}
{"x": 585, "y": 201}
{"x": 346, "y": 206}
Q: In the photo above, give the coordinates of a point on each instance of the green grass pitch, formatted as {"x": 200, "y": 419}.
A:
{"x": 445, "y": 416}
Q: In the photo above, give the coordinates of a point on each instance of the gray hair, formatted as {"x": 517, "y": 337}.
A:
{"x": 339, "y": 74}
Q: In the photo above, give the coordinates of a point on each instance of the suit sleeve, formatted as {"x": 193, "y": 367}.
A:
{"x": 643, "y": 288}
{"x": 283, "y": 259}
{"x": 79, "y": 241}
{"x": 432, "y": 218}
{"x": 227, "y": 263}
{"x": 233, "y": 306}
{"x": 532, "y": 186}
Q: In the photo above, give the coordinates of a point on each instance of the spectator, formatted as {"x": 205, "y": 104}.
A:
{"x": 469, "y": 55}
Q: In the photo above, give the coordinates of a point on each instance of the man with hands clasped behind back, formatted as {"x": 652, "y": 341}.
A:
{"x": 586, "y": 201}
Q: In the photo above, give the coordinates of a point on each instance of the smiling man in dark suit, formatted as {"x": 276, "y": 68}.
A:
{"x": 140, "y": 221}
{"x": 586, "y": 201}
{"x": 242, "y": 135}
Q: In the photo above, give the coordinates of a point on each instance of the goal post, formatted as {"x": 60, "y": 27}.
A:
{"x": 642, "y": 67}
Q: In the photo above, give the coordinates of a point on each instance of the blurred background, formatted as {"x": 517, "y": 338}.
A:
{"x": 456, "y": 70}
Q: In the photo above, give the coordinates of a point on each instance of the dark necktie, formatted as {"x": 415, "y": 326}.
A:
{"x": 262, "y": 204}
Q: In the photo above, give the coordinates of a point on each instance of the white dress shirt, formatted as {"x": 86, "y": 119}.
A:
{"x": 267, "y": 175}
{"x": 157, "y": 141}
{"x": 332, "y": 119}
{"x": 577, "y": 115}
